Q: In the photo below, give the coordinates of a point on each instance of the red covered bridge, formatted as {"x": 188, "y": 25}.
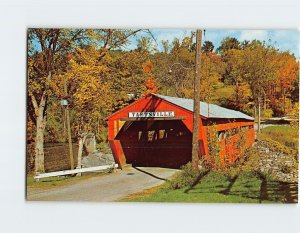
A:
{"x": 157, "y": 131}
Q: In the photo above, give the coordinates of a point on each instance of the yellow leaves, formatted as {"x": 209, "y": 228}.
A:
{"x": 212, "y": 69}
{"x": 88, "y": 86}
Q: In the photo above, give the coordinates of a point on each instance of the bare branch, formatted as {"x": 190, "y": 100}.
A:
{"x": 34, "y": 102}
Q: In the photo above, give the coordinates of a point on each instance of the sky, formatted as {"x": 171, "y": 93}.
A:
{"x": 282, "y": 39}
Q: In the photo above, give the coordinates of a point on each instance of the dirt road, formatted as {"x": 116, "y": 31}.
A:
{"x": 106, "y": 188}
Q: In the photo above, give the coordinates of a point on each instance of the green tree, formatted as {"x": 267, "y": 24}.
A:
{"x": 127, "y": 76}
{"x": 145, "y": 43}
{"x": 227, "y": 44}
{"x": 207, "y": 47}
{"x": 258, "y": 68}
{"x": 212, "y": 69}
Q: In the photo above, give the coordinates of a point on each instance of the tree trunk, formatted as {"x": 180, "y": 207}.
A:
{"x": 40, "y": 128}
{"x": 39, "y": 142}
{"x": 259, "y": 115}
{"x": 237, "y": 96}
{"x": 265, "y": 101}
{"x": 79, "y": 157}
{"x": 284, "y": 101}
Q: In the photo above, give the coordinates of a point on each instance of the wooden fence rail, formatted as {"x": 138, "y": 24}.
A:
{"x": 75, "y": 171}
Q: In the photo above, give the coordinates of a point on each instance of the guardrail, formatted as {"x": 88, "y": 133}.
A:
{"x": 75, "y": 171}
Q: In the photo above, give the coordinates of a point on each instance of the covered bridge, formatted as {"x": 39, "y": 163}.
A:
{"x": 157, "y": 131}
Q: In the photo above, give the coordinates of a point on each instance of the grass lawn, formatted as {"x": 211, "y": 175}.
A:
{"x": 51, "y": 182}
{"x": 217, "y": 188}
{"x": 286, "y": 135}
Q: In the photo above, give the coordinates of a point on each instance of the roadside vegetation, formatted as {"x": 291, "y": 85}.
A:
{"x": 247, "y": 181}
{"x": 50, "y": 182}
{"x": 287, "y": 136}
{"x": 58, "y": 181}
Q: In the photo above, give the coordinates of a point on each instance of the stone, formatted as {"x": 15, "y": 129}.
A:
{"x": 90, "y": 143}
{"x": 97, "y": 159}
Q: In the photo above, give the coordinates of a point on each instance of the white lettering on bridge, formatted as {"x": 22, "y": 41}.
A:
{"x": 151, "y": 114}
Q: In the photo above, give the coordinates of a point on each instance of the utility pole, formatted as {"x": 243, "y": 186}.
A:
{"x": 69, "y": 129}
{"x": 196, "y": 116}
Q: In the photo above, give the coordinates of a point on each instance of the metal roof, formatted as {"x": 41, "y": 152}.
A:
{"x": 215, "y": 111}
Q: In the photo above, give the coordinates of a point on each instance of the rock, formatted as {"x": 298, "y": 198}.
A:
{"x": 97, "y": 159}
{"x": 90, "y": 143}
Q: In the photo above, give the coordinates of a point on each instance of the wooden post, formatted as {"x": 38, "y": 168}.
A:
{"x": 69, "y": 129}
{"x": 259, "y": 115}
{"x": 70, "y": 139}
{"x": 196, "y": 116}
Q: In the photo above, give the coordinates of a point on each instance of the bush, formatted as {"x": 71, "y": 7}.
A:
{"x": 268, "y": 113}
{"x": 186, "y": 178}
{"x": 287, "y": 136}
{"x": 275, "y": 145}
{"x": 101, "y": 138}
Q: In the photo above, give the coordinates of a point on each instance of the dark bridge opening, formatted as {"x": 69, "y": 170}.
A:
{"x": 161, "y": 143}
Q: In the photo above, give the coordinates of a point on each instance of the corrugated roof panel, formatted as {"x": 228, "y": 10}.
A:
{"x": 215, "y": 111}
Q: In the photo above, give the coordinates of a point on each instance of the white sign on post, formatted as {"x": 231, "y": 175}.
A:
{"x": 151, "y": 114}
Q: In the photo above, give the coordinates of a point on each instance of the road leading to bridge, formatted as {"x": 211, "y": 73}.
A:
{"x": 106, "y": 188}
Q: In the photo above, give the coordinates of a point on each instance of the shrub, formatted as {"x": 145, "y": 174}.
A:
{"x": 285, "y": 135}
{"x": 268, "y": 113}
{"x": 101, "y": 138}
{"x": 276, "y": 146}
{"x": 186, "y": 178}
{"x": 213, "y": 141}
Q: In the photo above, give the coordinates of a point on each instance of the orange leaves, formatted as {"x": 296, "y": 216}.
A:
{"x": 69, "y": 56}
{"x": 150, "y": 83}
{"x": 148, "y": 67}
{"x": 151, "y": 86}
{"x": 288, "y": 72}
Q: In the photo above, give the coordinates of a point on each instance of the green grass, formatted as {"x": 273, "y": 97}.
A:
{"x": 247, "y": 187}
{"x": 51, "y": 182}
{"x": 286, "y": 135}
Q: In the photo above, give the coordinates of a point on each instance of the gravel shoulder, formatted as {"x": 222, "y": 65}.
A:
{"x": 106, "y": 188}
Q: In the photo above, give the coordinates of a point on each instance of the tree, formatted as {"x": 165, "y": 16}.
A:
{"x": 227, "y": 44}
{"x": 145, "y": 43}
{"x": 233, "y": 76}
{"x": 288, "y": 74}
{"x": 207, "y": 47}
{"x": 150, "y": 83}
{"x": 127, "y": 76}
{"x": 45, "y": 59}
{"x": 212, "y": 69}
{"x": 258, "y": 68}
{"x": 166, "y": 46}
{"x": 88, "y": 90}
{"x": 180, "y": 81}
{"x": 47, "y": 56}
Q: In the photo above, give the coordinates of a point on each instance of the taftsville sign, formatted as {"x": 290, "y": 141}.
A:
{"x": 151, "y": 114}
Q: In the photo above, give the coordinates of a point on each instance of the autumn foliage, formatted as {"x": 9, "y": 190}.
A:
{"x": 150, "y": 83}
{"x": 97, "y": 76}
